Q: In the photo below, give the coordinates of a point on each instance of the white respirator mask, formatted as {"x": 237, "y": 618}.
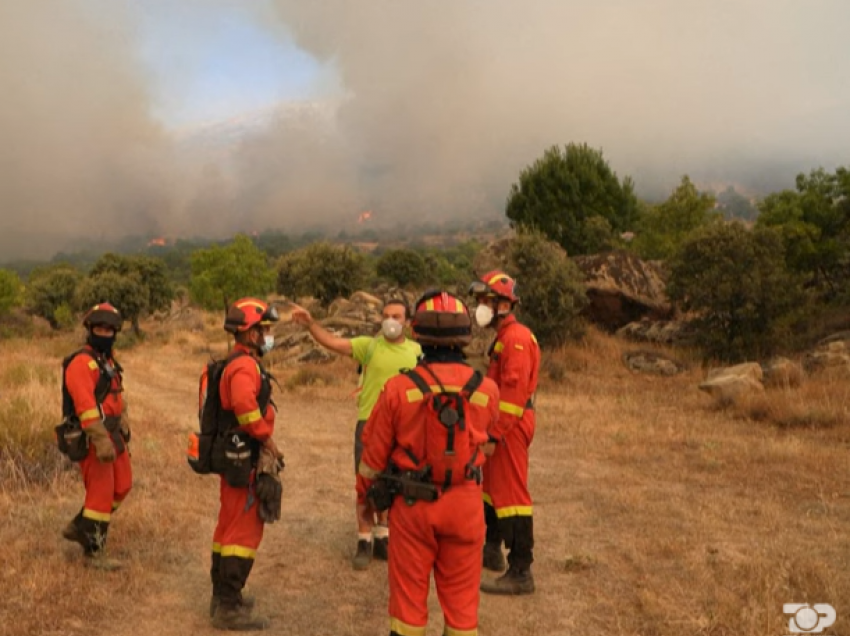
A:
{"x": 268, "y": 343}
{"x": 391, "y": 328}
{"x": 483, "y": 315}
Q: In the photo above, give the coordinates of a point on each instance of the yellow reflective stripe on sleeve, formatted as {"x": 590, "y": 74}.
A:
{"x": 487, "y": 499}
{"x": 91, "y": 414}
{"x": 480, "y": 399}
{"x": 216, "y": 547}
{"x": 451, "y": 631}
{"x": 92, "y": 365}
{"x": 513, "y": 511}
{"x": 238, "y": 551}
{"x": 247, "y": 418}
{"x": 534, "y": 338}
{"x": 414, "y": 395}
{"x": 511, "y": 409}
{"x": 367, "y": 471}
{"x": 498, "y": 347}
{"x": 94, "y": 515}
{"x": 518, "y": 346}
{"x": 403, "y": 629}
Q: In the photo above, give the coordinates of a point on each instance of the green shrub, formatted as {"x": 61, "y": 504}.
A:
{"x": 738, "y": 284}
{"x": 322, "y": 270}
{"x": 550, "y": 287}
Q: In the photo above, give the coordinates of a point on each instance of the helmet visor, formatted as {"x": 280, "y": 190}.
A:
{"x": 270, "y": 316}
{"x": 479, "y": 288}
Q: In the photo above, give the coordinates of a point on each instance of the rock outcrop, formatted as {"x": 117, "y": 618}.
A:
{"x": 622, "y": 289}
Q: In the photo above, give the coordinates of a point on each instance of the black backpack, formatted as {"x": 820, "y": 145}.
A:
{"x": 214, "y": 448}
{"x": 70, "y": 438}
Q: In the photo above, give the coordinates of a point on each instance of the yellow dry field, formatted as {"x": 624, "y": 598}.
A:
{"x": 656, "y": 513}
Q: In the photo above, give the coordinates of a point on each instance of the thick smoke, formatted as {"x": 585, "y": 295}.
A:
{"x": 440, "y": 104}
{"x": 448, "y": 100}
{"x": 80, "y": 156}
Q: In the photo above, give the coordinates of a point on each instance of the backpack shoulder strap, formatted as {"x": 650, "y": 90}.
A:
{"x": 418, "y": 380}
{"x": 70, "y": 358}
{"x": 473, "y": 383}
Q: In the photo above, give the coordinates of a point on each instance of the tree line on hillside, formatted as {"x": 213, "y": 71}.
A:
{"x": 750, "y": 288}
{"x": 753, "y": 289}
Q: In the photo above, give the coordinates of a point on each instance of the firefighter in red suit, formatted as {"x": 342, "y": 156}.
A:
{"x": 514, "y": 366}
{"x": 92, "y": 393}
{"x": 408, "y": 435}
{"x": 240, "y": 527}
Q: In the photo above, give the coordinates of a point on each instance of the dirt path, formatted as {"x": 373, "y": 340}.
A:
{"x": 653, "y": 515}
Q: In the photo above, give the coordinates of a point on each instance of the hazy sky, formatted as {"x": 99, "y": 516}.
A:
{"x": 430, "y": 108}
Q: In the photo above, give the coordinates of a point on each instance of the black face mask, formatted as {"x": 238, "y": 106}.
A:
{"x": 102, "y": 344}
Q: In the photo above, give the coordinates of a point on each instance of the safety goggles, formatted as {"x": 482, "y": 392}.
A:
{"x": 270, "y": 316}
{"x": 479, "y": 288}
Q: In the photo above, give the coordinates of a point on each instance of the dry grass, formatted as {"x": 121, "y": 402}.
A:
{"x": 656, "y": 514}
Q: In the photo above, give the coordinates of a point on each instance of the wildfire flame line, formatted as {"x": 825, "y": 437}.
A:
{"x": 364, "y": 216}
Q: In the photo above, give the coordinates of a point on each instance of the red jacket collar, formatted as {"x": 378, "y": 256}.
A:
{"x": 507, "y": 321}
{"x": 244, "y": 349}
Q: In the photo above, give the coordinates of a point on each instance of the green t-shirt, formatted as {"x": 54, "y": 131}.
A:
{"x": 387, "y": 360}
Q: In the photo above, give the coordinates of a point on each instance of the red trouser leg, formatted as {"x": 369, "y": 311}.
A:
{"x": 107, "y": 484}
{"x": 446, "y": 536}
{"x": 412, "y": 554}
{"x": 490, "y": 518}
{"x": 459, "y": 523}
{"x": 237, "y": 536}
{"x": 123, "y": 474}
{"x": 93, "y": 519}
{"x": 509, "y": 489}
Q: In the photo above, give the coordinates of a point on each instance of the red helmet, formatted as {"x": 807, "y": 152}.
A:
{"x": 103, "y": 315}
{"x": 249, "y": 312}
{"x": 442, "y": 319}
{"x": 495, "y": 283}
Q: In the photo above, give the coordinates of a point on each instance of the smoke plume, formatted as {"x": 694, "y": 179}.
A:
{"x": 439, "y": 105}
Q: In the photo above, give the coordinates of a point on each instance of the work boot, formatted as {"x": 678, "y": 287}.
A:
{"x": 493, "y": 558}
{"x": 363, "y": 556}
{"x": 73, "y": 533}
{"x": 99, "y": 561}
{"x": 247, "y": 601}
{"x": 238, "y": 619}
{"x": 514, "y": 581}
{"x": 381, "y": 549}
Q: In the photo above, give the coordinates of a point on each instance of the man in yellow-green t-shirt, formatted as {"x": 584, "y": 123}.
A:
{"x": 380, "y": 357}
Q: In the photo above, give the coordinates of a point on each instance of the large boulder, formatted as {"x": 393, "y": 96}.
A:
{"x": 622, "y": 288}
{"x": 730, "y": 384}
{"x": 652, "y": 362}
{"x": 833, "y": 352}
{"x": 666, "y": 332}
{"x": 782, "y": 372}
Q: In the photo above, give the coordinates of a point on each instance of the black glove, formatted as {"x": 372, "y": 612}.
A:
{"x": 269, "y": 496}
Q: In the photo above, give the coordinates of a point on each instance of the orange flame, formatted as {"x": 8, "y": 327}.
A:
{"x": 364, "y": 216}
{"x": 158, "y": 241}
